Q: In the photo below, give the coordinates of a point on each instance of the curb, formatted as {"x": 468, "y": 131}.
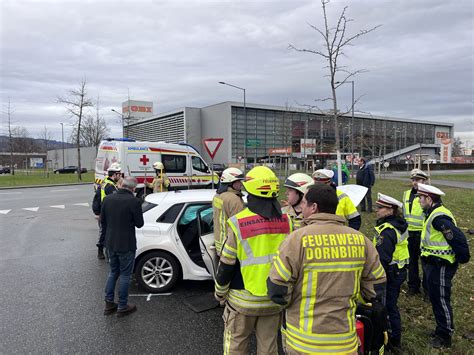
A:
{"x": 52, "y": 185}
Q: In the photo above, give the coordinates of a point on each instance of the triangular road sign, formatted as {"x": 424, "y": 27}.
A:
{"x": 212, "y": 145}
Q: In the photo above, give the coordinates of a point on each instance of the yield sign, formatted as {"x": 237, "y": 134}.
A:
{"x": 212, "y": 145}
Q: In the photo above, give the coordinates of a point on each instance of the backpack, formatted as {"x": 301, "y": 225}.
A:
{"x": 96, "y": 201}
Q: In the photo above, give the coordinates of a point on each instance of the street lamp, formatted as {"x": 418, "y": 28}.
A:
{"x": 62, "y": 139}
{"x": 245, "y": 125}
{"x": 123, "y": 121}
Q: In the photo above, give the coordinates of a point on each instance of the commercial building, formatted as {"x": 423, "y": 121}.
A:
{"x": 263, "y": 132}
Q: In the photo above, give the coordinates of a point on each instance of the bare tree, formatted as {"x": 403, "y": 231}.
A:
{"x": 46, "y": 136}
{"x": 456, "y": 149}
{"x": 22, "y": 143}
{"x": 76, "y": 104}
{"x": 336, "y": 40}
{"x": 94, "y": 130}
{"x": 10, "y": 136}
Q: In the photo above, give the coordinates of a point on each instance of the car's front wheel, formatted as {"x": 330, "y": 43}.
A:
{"x": 157, "y": 272}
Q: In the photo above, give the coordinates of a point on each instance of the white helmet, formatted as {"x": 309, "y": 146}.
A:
{"x": 115, "y": 167}
{"x": 230, "y": 175}
{"x": 158, "y": 165}
{"x": 299, "y": 181}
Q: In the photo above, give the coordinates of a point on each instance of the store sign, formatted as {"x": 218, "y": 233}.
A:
{"x": 308, "y": 146}
{"x": 445, "y": 153}
{"x": 279, "y": 151}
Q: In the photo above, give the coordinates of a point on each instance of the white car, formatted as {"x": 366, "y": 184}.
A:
{"x": 176, "y": 241}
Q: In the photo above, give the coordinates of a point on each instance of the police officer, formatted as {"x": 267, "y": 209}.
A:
{"x": 392, "y": 245}
{"x": 160, "y": 182}
{"x": 318, "y": 273}
{"x": 296, "y": 186}
{"x": 109, "y": 186}
{"x": 443, "y": 246}
{"x": 345, "y": 207}
{"x": 226, "y": 203}
{"x": 413, "y": 214}
{"x": 254, "y": 236}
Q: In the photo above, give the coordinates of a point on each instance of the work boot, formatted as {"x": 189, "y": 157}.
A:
{"x": 394, "y": 346}
{"x": 110, "y": 307}
{"x": 438, "y": 342}
{"x": 126, "y": 311}
{"x": 100, "y": 253}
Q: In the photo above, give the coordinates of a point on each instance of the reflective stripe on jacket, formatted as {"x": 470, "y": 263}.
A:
{"x": 400, "y": 256}
{"x": 413, "y": 214}
{"x": 296, "y": 218}
{"x": 433, "y": 242}
{"x": 107, "y": 181}
{"x": 345, "y": 207}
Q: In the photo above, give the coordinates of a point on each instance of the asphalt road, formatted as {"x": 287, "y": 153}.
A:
{"x": 51, "y": 292}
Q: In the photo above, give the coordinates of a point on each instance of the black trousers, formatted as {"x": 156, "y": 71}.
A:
{"x": 101, "y": 240}
{"x": 368, "y": 197}
{"x": 439, "y": 278}
{"x": 395, "y": 278}
{"x": 414, "y": 241}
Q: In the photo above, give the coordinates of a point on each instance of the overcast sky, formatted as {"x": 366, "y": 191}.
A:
{"x": 419, "y": 62}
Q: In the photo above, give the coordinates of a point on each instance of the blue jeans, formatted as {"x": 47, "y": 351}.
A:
{"x": 121, "y": 265}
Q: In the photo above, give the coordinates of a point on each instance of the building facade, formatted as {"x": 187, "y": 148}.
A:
{"x": 261, "y": 132}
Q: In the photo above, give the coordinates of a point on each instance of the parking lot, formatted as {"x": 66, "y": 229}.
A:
{"x": 52, "y": 286}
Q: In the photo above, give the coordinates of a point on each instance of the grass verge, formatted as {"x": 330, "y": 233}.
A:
{"x": 39, "y": 177}
{"x": 454, "y": 177}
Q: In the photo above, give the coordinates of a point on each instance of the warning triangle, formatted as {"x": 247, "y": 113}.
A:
{"x": 212, "y": 146}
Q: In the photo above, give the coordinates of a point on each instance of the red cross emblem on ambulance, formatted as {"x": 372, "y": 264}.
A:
{"x": 144, "y": 159}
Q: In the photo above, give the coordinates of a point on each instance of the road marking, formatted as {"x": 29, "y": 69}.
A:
{"x": 10, "y": 193}
{"x": 150, "y": 295}
{"x": 86, "y": 204}
{"x": 4, "y": 211}
{"x": 58, "y": 206}
{"x": 63, "y": 190}
{"x": 32, "y": 209}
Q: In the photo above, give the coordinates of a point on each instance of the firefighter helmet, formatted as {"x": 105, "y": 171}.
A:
{"x": 299, "y": 181}
{"x": 230, "y": 175}
{"x": 158, "y": 165}
{"x": 262, "y": 182}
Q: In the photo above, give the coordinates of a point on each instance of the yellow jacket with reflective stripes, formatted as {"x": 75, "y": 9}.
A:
{"x": 160, "y": 183}
{"x": 105, "y": 182}
{"x": 253, "y": 241}
{"x": 345, "y": 207}
{"x": 433, "y": 242}
{"x": 225, "y": 205}
{"x": 414, "y": 215}
{"x": 400, "y": 256}
{"x": 326, "y": 266}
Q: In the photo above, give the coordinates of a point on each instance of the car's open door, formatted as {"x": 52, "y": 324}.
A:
{"x": 206, "y": 239}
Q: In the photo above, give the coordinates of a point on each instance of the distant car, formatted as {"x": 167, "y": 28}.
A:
{"x": 218, "y": 168}
{"x": 70, "y": 170}
{"x": 4, "y": 170}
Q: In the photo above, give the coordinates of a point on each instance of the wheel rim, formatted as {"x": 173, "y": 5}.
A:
{"x": 157, "y": 272}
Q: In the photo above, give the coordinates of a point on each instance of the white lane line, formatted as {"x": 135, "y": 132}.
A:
{"x": 65, "y": 190}
{"x": 58, "y": 206}
{"x": 150, "y": 295}
{"x": 32, "y": 209}
{"x": 86, "y": 204}
{"x": 4, "y": 211}
{"x": 10, "y": 193}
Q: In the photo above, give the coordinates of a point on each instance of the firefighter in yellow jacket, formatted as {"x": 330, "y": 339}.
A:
{"x": 319, "y": 273}
{"x": 254, "y": 236}
{"x": 345, "y": 207}
{"x": 160, "y": 182}
{"x": 296, "y": 186}
{"x": 226, "y": 203}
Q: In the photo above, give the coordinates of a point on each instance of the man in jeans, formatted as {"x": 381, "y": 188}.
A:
{"x": 365, "y": 177}
{"x": 121, "y": 212}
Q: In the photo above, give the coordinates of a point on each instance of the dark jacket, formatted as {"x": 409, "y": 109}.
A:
{"x": 365, "y": 176}
{"x": 120, "y": 214}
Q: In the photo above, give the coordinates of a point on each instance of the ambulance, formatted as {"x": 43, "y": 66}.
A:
{"x": 184, "y": 166}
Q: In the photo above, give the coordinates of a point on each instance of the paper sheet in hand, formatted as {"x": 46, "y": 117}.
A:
{"x": 355, "y": 192}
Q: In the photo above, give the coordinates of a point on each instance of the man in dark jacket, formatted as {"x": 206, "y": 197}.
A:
{"x": 121, "y": 212}
{"x": 365, "y": 177}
